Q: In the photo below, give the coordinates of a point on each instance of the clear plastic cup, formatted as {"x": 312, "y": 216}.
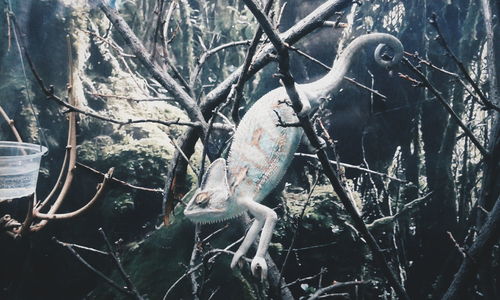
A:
{"x": 19, "y": 166}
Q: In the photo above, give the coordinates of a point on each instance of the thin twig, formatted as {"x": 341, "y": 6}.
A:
{"x": 335, "y": 286}
{"x": 94, "y": 270}
{"x": 135, "y": 187}
{"x": 442, "y": 41}
{"x": 448, "y": 108}
{"x": 349, "y": 166}
{"x": 116, "y": 259}
{"x": 11, "y": 125}
{"x": 238, "y": 87}
{"x": 300, "y": 280}
{"x": 297, "y": 226}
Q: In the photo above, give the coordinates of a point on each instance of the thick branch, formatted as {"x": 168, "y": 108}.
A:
{"x": 289, "y": 84}
{"x": 476, "y": 254}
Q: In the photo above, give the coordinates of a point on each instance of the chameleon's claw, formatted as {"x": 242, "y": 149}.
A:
{"x": 259, "y": 264}
{"x": 236, "y": 259}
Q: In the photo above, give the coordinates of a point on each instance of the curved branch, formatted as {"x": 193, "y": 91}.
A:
{"x": 58, "y": 183}
{"x": 11, "y": 124}
{"x": 72, "y": 150}
{"x": 97, "y": 196}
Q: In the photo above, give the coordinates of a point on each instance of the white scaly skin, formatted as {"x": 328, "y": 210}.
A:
{"x": 262, "y": 151}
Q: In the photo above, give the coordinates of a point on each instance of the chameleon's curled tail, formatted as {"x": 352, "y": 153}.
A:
{"x": 331, "y": 81}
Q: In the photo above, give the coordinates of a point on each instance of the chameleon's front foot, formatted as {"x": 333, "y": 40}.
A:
{"x": 259, "y": 264}
{"x": 236, "y": 259}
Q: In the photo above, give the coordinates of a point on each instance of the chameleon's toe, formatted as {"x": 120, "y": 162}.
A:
{"x": 236, "y": 259}
{"x": 259, "y": 264}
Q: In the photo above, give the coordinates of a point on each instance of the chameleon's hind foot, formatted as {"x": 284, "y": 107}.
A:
{"x": 259, "y": 265}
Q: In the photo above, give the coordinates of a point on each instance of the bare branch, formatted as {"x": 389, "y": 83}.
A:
{"x": 94, "y": 270}
{"x": 135, "y": 187}
{"x": 335, "y": 286}
{"x": 349, "y": 166}
{"x": 11, "y": 125}
{"x": 442, "y": 41}
{"x": 448, "y": 108}
{"x": 125, "y": 276}
{"x": 53, "y": 216}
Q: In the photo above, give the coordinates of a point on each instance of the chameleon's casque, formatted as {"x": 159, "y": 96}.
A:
{"x": 262, "y": 151}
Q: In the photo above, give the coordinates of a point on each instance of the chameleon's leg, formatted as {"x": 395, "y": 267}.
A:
{"x": 247, "y": 242}
{"x": 262, "y": 214}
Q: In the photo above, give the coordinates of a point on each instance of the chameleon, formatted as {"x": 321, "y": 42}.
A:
{"x": 263, "y": 149}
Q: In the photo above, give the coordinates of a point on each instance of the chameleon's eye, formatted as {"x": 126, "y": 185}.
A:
{"x": 202, "y": 199}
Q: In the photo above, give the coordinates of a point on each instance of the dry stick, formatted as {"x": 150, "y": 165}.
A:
{"x": 100, "y": 191}
{"x": 207, "y": 54}
{"x": 71, "y": 144}
{"x": 425, "y": 82}
{"x": 351, "y": 80}
{"x": 349, "y": 166}
{"x": 446, "y": 72}
{"x": 335, "y": 286}
{"x": 25, "y": 227}
{"x": 441, "y": 40}
{"x": 300, "y": 280}
{"x": 135, "y": 187}
{"x": 11, "y": 125}
{"x": 93, "y": 250}
{"x": 476, "y": 254}
{"x": 59, "y": 180}
{"x": 116, "y": 259}
{"x": 238, "y": 88}
{"x": 131, "y": 99}
{"x": 193, "y": 168}
{"x": 184, "y": 99}
{"x": 73, "y": 108}
{"x": 94, "y": 270}
{"x": 289, "y": 84}
{"x": 217, "y": 252}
